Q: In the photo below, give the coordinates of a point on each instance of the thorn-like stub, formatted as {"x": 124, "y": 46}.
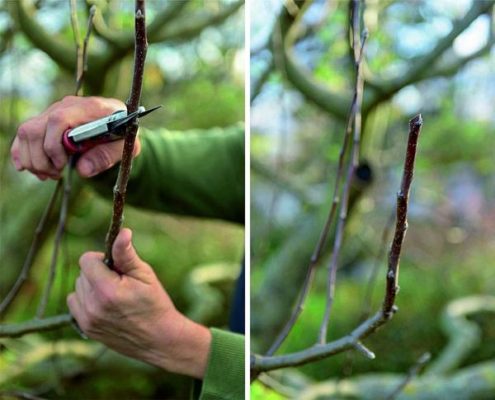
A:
{"x": 139, "y": 14}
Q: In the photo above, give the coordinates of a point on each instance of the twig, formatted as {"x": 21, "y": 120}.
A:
{"x": 358, "y": 47}
{"x": 58, "y": 238}
{"x": 411, "y": 374}
{"x": 35, "y": 325}
{"x": 119, "y": 191}
{"x": 77, "y": 40}
{"x": 368, "y": 293}
{"x": 401, "y": 220}
{"x": 33, "y": 250}
{"x": 353, "y": 340}
{"x": 82, "y": 66}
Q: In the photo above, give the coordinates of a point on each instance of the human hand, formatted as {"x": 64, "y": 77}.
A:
{"x": 132, "y": 314}
{"x": 38, "y": 148}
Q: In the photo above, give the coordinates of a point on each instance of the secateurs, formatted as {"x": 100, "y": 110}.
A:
{"x": 103, "y": 130}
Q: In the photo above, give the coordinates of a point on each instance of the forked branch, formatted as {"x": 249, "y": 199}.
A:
{"x": 353, "y": 340}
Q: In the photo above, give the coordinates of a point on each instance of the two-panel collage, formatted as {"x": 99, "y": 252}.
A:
{"x": 259, "y": 199}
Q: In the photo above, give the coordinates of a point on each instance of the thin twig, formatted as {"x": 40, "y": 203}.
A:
{"x": 392, "y": 288}
{"x": 82, "y": 66}
{"x": 58, "y": 238}
{"x": 35, "y": 325}
{"x": 33, "y": 250}
{"x": 411, "y": 374}
{"x": 358, "y": 45}
{"x": 77, "y": 40}
{"x": 368, "y": 293}
{"x": 119, "y": 192}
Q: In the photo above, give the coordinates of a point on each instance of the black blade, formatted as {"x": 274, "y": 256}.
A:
{"x": 124, "y": 121}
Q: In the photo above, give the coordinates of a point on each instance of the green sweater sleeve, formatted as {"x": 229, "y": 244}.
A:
{"x": 196, "y": 173}
{"x": 224, "y": 378}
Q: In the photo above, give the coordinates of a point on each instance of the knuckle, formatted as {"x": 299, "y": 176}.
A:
{"x": 57, "y": 117}
{"x": 23, "y": 132}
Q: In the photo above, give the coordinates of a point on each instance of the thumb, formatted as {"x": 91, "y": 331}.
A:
{"x": 125, "y": 258}
{"x": 100, "y": 158}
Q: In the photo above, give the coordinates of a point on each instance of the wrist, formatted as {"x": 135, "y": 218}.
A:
{"x": 187, "y": 353}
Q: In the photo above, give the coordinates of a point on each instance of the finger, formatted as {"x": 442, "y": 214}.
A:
{"x": 42, "y": 177}
{"x": 95, "y": 270}
{"x": 124, "y": 255}
{"x": 100, "y": 158}
{"x": 15, "y": 154}
{"x": 40, "y": 161}
{"x": 77, "y": 311}
{"x": 74, "y": 305}
{"x": 80, "y": 291}
{"x": 24, "y": 155}
{"x": 58, "y": 122}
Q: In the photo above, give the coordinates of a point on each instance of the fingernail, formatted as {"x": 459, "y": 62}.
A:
{"x": 86, "y": 168}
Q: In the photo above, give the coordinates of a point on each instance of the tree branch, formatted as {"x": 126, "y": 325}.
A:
{"x": 58, "y": 50}
{"x": 333, "y": 103}
{"x": 141, "y": 46}
{"x": 353, "y": 340}
{"x": 421, "y": 68}
{"x": 401, "y": 220}
{"x": 35, "y": 325}
{"x": 355, "y": 120}
{"x": 187, "y": 28}
{"x": 64, "y": 207}
{"x": 82, "y": 65}
{"x": 33, "y": 250}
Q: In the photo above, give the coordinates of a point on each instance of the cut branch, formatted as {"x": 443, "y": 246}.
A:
{"x": 401, "y": 220}
{"x": 119, "y": 193}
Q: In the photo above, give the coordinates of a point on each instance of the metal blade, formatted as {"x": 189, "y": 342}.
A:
{"x": 124, "y": 121}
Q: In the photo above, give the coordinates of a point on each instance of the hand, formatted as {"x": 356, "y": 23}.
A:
{"x": 38, "y": 148}
{"x": 131, "y": 313}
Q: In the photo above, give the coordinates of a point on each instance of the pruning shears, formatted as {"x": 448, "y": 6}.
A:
{"x": 103, "y": 130}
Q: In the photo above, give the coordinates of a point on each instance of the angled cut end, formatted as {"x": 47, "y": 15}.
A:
{"x": 416, "y": 121}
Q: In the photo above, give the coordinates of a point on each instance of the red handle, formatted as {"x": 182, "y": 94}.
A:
{"x": 72, "y": 147}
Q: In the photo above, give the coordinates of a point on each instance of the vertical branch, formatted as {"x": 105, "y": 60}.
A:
{"x": 315, "y": 257}
{"x": 392, "y": 287}
{"x": 82, "y": 59}
{"x": 33, "y": 250}
{"x": 77, "y": 40}
{"x": 80, "y": 68}
{"x": 119, "y": 191}
{"x": 58, "y": 238}
{"x": 358, "y": 48}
